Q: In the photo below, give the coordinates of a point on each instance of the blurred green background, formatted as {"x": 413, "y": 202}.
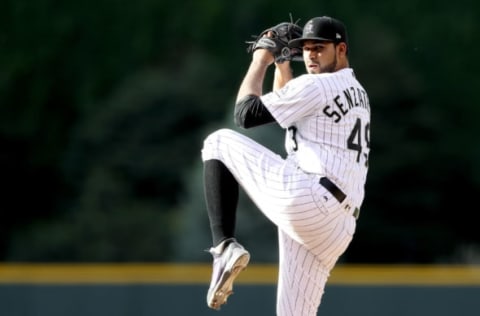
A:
{"x": 104, "y": 106}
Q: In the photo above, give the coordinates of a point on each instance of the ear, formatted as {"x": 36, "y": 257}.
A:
{"x": 342, "y": 48}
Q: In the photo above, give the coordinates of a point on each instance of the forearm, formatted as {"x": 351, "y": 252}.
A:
{"x": 283, "y": 74}
{"x": 252, "y": 83}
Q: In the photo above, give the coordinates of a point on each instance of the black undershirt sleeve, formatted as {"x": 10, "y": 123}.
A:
{"x": 250, "y": 112}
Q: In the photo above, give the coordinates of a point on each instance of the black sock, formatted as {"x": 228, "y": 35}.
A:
{"x": 221, "y": 195}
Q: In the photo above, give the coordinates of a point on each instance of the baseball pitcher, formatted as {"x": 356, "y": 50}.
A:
{"x": 314, "y": 194}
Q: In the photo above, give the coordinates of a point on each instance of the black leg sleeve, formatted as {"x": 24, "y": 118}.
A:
{"x": 221, "y": 195}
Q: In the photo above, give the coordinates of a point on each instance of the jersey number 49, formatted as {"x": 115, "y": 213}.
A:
{"x": 359, "y": 134}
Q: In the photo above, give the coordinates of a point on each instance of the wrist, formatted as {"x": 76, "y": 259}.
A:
{"x": 262, "y": 57}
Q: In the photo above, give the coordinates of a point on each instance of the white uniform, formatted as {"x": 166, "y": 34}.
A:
{"x": 327, "y": 122}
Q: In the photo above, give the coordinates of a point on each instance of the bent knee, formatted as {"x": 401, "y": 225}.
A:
{"x": 214, "y": 144}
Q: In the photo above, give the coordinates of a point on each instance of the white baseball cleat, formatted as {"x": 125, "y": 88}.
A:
{"x": 229, "y": 259}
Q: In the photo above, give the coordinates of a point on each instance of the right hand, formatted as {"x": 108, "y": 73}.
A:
{"x": 263, "y": 56}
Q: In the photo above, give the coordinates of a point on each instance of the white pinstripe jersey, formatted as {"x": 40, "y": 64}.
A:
{"x": 327, "y": 122}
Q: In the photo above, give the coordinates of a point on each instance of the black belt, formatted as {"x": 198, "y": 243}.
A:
{"x": 332, "y": 188}
{"x": 338, "y": 194}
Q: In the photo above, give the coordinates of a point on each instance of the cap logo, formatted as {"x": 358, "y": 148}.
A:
{"x": 338, "y": 36}
{"x": 309, "y": 28}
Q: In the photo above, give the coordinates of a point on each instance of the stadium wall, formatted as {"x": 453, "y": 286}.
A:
{"x": 180, "y": 289}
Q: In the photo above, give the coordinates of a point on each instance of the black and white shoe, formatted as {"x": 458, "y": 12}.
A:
{"x": 229, "y": 259}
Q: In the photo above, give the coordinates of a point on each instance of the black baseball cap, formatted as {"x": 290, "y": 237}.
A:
{"x": 322, "y": 29}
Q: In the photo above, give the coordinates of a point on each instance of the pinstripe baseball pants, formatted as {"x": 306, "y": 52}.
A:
{"x": 314, "y": 228}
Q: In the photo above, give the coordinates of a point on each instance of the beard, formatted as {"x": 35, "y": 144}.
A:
{"x": 330, "y": 67}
